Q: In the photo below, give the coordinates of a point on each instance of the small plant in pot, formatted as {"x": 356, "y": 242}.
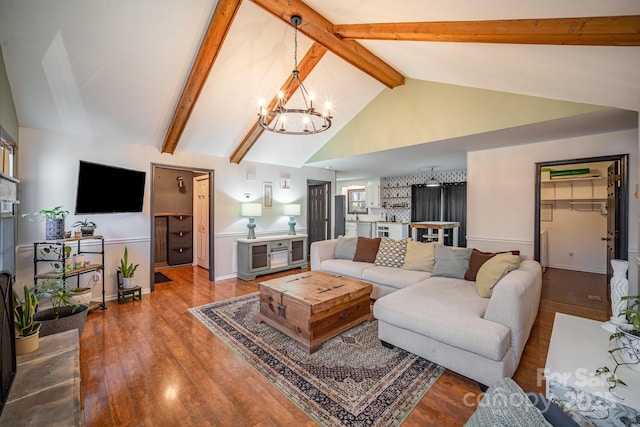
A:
{"x": 127, "y": 270}
{"x": 87, "y": 227}
{"x": 54, "y": 221}
{"x": 627, "y": 349}
{"x": 63, "y": 314}
{"x": 27, "y": 329}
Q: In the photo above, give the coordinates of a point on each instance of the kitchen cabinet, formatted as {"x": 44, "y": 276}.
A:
{"x": 351, "y": 229}
{"x": 372, "y": 193}
{"x": 392, "y": 230}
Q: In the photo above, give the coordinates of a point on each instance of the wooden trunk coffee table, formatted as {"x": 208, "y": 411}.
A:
{"x": 314, "y": 306}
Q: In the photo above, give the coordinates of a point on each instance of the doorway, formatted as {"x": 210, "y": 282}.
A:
{"x": 581, "y": 214}
{"x": 319, "y": 206}
{"x": 176, "y": 217}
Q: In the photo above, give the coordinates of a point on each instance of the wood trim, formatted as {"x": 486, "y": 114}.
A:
{"x": 308, "y": 63}
{"x": 592, "y": 31}
{"x": 319, "y": 29}
{"x": 210, "y": 47}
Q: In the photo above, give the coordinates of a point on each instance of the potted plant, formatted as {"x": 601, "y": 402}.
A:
{"x": 127, "y": 270}
{"x": 63, "y": 314}
{"x": 81, "y": 295}
{"x": 627, "y": 349}
{"x": 27, "y": 329}
{"x": 54, "y": 221}
{"x": 86, "y": 227}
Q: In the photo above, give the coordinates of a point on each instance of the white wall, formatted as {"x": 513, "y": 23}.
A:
{"x": 501, "y": 189}
{"x": 49, "y": 173}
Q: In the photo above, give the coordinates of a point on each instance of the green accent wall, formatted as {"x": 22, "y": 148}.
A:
{"x": 8, "y": 116}
{"x": 422, "y": 111}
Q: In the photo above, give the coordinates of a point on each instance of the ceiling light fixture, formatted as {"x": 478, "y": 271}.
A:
{"x": 294, "y": 121}
{"x": 432, "y": 182}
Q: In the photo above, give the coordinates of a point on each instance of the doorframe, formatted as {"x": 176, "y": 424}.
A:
{"x": 623, "y": 203}
{"x": 152, "y": 252}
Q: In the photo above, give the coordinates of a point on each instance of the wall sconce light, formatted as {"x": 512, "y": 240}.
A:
{"x": 292, "y": 210}
{"x": 180, "y": 182}
{"x": 251, "y": 210}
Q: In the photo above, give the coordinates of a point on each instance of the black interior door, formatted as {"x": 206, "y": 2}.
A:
{"x": 318, "y": 212}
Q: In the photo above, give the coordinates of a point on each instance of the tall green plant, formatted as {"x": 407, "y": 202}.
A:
{"x": 23, "y": 311}
{"x": 126, "y": 268}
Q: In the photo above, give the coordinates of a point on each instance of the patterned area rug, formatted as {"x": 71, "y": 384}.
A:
{"x": 351, "y": 381}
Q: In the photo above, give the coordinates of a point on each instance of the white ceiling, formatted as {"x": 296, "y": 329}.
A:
{"x": 115, "y": 69}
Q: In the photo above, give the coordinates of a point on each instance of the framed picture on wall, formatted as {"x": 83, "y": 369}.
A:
{"x": 267, "y": 199}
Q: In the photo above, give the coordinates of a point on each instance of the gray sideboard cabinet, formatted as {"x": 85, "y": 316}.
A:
{"x": 270, "y": 254}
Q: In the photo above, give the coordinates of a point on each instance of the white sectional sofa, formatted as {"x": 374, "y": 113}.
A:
{"x": 444, "y": 319}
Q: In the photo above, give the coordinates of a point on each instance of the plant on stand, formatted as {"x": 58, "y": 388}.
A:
{"x": 127, "y": 270}
{"x": 627, "y": 350}
{"x": 54, "y": 221}
{"x": 86, "y": 227}
{"x": 27, "y": 329}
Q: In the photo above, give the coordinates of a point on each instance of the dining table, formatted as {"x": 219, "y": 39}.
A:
{"x": 439, "y": 226}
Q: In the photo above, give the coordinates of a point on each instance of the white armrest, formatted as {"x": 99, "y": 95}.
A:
{"x": 320, "y": 251}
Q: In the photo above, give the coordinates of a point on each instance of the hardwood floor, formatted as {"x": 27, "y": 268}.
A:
{"x": 151, "y": 363}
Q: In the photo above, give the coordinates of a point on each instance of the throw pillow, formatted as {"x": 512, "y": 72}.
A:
{"x": 366, "y": 249}
{"x": 451, "y": 262}
{"x": 345, "y": 247}
{"x": 477, "y": 259}
{"x": 493, "y": 270}
{"x": 391, "y": 252}
{"x": 420, "y": 256}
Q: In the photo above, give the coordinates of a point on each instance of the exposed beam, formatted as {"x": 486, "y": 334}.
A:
{"x": 210, "y": 47}
{"x": 320, "y": 30}
{"x": 308, "y": 63}
{"x": 595, "y": 31}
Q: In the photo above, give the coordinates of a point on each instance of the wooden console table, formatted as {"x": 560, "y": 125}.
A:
{"x": 46, "y": 389}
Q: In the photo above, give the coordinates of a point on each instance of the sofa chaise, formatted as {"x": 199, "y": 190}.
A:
{"x": 444, "y": 319}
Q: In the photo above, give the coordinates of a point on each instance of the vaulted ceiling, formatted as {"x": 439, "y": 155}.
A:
{"x": 187, "y": 75}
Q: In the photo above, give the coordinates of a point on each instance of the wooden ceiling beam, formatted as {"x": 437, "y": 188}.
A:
{"x": 308, "y": 63}
{"x": 217, "y": 31}
{"x": 593, "y": 31}
{"x": 320, "y": 30}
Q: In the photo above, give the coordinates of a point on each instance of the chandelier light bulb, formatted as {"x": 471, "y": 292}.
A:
{"x": 280, "y": 94}
{"x": 261, "y": 102}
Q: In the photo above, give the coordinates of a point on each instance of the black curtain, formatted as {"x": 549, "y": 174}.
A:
{"x": 425, "y": 204}
{"x": 455, "y": 209}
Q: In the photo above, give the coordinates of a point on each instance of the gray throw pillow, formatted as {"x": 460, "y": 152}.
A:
{"x": 451, "y": 262}
{"x": 346, "y": 247}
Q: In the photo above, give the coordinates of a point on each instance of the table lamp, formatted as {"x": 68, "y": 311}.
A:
{"x": 292, "y": 210}
{"x": 251, "y": 210}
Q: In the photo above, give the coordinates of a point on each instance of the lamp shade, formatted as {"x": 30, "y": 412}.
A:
{"x": 251, "y": 209}
{"x": 292, "y": 209}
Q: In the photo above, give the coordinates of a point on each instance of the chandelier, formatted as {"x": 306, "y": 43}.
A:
{"x": 294, "y": 121}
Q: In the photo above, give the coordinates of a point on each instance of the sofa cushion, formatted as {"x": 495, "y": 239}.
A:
{"x": 394, "y": 277}
{"x": 446, "y": 310}
{"x": 391, "y": 252}
{"x": 345, "y": 267}
{"x": 493, "y": 270}
{"x": 420, "y": 256}
{"x": 366, "y": 249}
{"x": 477, "y": 259}
{"x": 346, "y": 247}
{"x": 451, "y": 262}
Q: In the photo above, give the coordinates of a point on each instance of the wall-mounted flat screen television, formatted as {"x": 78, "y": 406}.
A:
{"x": 108, "y": 189}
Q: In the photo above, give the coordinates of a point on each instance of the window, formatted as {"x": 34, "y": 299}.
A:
{"x": 356, "y": 201}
